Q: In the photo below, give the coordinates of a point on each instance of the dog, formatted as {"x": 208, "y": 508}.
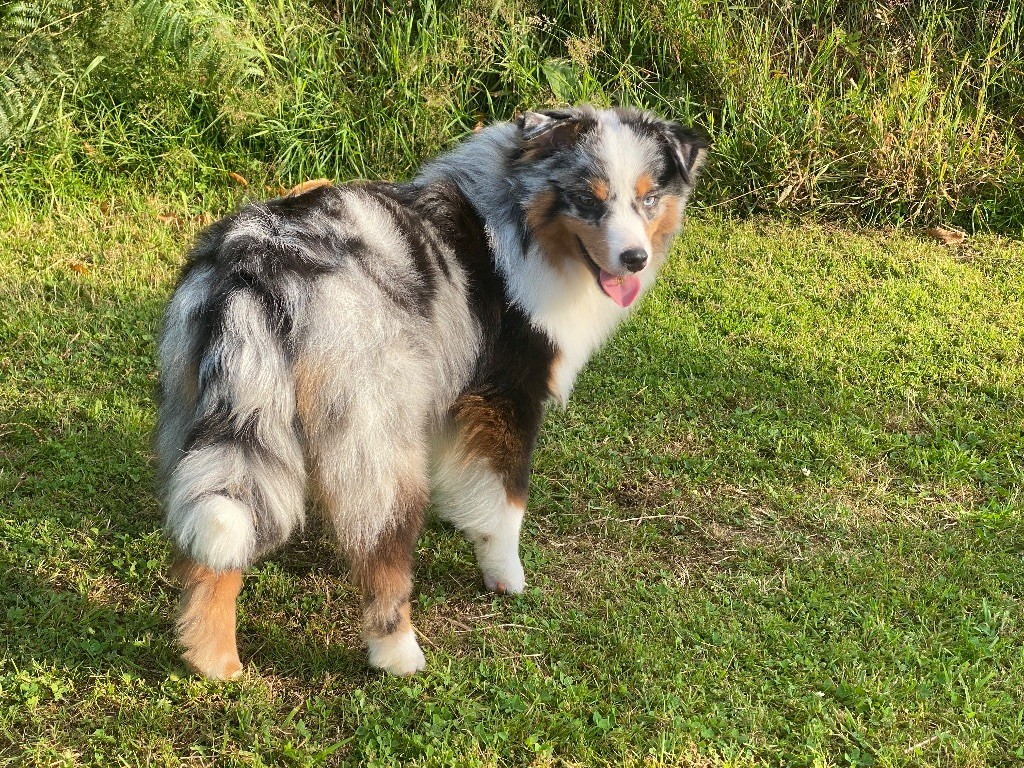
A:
{"x": 363, "y": 346}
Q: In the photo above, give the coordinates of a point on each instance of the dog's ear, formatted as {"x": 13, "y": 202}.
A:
{"x": 688, "y": 148}
{"x": 557, "y": 128}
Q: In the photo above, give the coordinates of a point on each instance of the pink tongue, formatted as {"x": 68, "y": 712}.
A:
{"x": 621, "y": 290}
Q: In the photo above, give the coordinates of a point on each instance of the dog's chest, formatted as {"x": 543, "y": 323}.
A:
{"x": 577, "y": 325}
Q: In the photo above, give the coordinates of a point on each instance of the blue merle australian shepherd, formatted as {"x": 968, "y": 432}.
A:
{"x": 365, "y": 346}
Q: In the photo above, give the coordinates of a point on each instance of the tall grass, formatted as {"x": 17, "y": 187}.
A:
{"x": 892, "y": 111}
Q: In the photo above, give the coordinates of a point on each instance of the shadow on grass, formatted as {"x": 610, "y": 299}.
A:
{"x": 53, "y": 626}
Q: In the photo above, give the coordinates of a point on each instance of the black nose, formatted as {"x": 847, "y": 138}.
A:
{"x": 634, "y": 259}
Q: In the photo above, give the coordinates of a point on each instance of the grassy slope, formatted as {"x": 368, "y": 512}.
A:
{"x": 780, "y": 522}
{"x": 885, "y": 112}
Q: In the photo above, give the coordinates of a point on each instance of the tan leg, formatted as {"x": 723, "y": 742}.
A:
{"x": 205, "y": 624}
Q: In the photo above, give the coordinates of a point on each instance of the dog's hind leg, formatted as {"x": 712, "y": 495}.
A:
{"x": 381, "y": 559}
{"x": 225, "y": 510}
{"x": 372, "y": 489}
{"x": 206, "y": 618}
{"x": 235, "y": 489}
{"x": 383, "y": 572}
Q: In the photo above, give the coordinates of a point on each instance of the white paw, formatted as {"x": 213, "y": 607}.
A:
{"x": 507, "y": 579}
{"x": 498, "y": 558}
{"x": 398, "y": 654}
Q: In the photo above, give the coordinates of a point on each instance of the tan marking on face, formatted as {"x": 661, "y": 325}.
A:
{"x": 205, "y": 625}
{"x": 643, "y": 186}
{"x": 593, "y": 238}
{"x": 538, "y": 209}
{"x": 663, "y": 227}
{"x": 600, "y": 188}
{"x": 557, "y": 236}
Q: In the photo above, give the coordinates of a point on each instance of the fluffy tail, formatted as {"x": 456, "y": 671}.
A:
{"x": 228, "y": 444}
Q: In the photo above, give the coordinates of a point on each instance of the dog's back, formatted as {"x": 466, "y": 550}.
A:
{"x": 316, "y": 334}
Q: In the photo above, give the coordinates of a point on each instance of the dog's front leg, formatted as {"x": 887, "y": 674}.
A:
{"x": 481, "y": 478}
{"x": 472, "y": 497}
{"x": 495, "y": 535}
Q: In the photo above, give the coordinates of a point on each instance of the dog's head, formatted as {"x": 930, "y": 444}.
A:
{"x": 606, "y": 190}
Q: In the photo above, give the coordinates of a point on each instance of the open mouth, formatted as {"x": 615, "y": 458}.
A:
{"x": 622, "y": 289}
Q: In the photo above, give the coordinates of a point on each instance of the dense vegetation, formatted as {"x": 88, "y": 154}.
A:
{"x": 888, "y": 111}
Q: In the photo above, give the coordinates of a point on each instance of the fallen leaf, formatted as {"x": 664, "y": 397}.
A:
{"x": 104, "y": 207}
{"x": 238, "y": 178}
{"x": 306, "y": 186}
{"x": 79, "y": 268}
{"x": 946, "y": 236}
{"x": 170, "y": 218}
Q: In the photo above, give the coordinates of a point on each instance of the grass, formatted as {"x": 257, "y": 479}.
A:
{"x": 780, "y": 523}
{"x": 869, "y": 110}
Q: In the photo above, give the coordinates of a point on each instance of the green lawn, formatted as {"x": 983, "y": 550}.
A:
{"x": 780, "y": 523}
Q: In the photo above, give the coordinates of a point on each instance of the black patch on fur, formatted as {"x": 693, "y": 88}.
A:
{"x": 405, "y": 200}
{"x": 386, "y": 627}
{"x": 515, "y": 359}
{"x": 220, "y": 424}
{"x": 568, "y": 203}
{"x": 511, "y": 158}
{"x": 267, "y": 264}
{"x": 424, "y": 257}
{"x": 413, "y": 303}
{"x": 681, "y": 146}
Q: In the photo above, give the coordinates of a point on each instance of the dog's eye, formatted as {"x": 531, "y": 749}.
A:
{"x": 585, "y": 200}
{"x": 650, "y": 201}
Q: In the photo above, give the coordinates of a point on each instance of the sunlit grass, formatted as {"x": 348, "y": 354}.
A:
{"x": 779, "y": 523}
{"x": 881, "y": 112}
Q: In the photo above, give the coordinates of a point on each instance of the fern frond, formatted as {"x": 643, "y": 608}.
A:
{"x": 196, "y": 34}
{"x": 27, "y": 55}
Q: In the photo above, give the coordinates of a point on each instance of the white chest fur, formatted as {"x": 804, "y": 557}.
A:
{"x": 565, "y": 303}
{"x": 578, "y": 320}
